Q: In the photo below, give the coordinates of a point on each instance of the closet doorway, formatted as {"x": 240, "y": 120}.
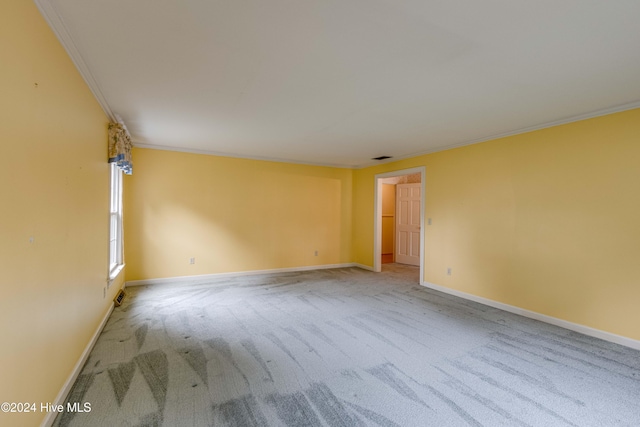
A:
{"x": 399, "y": 218}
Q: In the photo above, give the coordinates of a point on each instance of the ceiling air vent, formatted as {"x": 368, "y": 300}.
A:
{"x": 381, "y": 158}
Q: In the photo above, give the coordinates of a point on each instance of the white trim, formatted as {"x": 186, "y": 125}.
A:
{"x": 66, "y": 388}
{"x": 590, "y": 115}
{"x": 364, "y": 267}
{"x": 377, "y": 212}
{"x": 586, "y": 330}
{"x": 190, "y": 280}
{"x": 116, "y": 260}
{"x": 113, "y": 275}
{"x": 239, "y": 156}
{"x": 53, "y": 18}
{"x": 566, "y": 120}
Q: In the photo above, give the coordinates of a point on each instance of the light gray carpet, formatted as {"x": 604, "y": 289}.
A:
{"x": 344, "y": 347}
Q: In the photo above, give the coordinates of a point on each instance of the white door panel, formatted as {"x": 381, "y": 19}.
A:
{"x": 408, "y": 205}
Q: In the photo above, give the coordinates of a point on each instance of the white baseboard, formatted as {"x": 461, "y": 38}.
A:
{"x": 66, "y": 388}
{"x": 190, "y": 280}
{"x": 362, "y": 266}
{"x": 597, "y": 333}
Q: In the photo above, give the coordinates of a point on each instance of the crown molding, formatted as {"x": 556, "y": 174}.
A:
{"x": 57, "y": 25}
{"x": 239, "y": 156}
{"x": 590, "y": 115}
{"x": 566, "y": 120}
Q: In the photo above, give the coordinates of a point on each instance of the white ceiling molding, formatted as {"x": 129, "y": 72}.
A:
{"x": 333, "y": 83}
{"x": 238, "y": 156}
{"x": 55, "y": 21}
{"x": 586, "y": 116}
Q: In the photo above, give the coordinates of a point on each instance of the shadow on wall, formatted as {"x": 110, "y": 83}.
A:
{"x": 232, "y": 215}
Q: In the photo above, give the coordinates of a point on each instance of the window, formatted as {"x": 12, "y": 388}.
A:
{"x": 115, "y": 229}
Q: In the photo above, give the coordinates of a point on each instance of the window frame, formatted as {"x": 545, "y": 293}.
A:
{"x": 116, "y": 259}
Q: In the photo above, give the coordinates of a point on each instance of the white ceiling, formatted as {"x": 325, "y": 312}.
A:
{"x": 337, "y": 82}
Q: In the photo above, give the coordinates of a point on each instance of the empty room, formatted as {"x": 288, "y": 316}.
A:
{"x": 246, "y": 213}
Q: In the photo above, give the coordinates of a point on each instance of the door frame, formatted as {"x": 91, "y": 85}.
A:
{"x": 377, "y": 215}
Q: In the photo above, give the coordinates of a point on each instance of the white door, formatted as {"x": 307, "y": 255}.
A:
{"x": 408, "y": 223}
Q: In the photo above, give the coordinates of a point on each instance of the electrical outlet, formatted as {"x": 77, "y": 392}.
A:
{"x": 104, "y": 292}
{"x": 316, "y": 253}
{"x": 192, "y": 260}
{"x": 428, "y": 221}
{"x": 449, "y": 271}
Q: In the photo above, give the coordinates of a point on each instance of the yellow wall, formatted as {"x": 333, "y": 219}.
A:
{"x": 232, "y": 215}
{"x": 54, "y": 187}
{"x": 548, "y": 221}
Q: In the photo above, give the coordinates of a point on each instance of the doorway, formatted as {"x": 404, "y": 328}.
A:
{"x": 411, "y": 240}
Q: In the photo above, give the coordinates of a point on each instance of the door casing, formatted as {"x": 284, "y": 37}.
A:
{"x": 377, "y": 219}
